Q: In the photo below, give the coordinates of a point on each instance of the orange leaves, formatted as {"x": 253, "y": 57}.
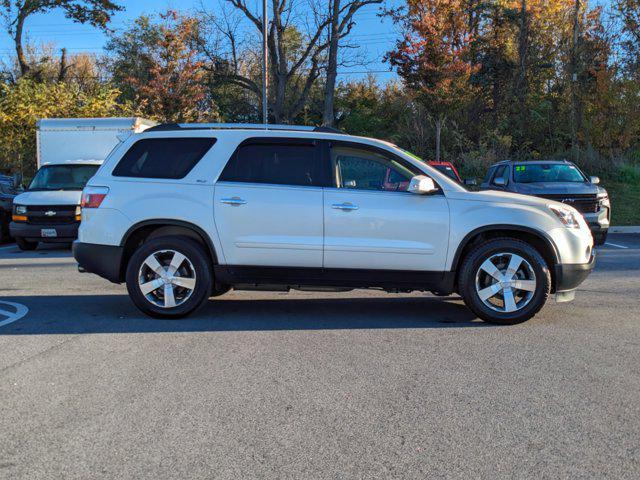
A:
{"x": 174, "y": 86}
{"x": 433, "y": 57}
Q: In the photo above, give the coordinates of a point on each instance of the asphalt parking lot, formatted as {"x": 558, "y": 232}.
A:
{"x": 307, "y": 385}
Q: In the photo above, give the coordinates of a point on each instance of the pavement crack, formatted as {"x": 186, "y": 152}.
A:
{"x": 37, "y": 355}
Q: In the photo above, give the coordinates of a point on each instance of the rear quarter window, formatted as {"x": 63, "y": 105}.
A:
{"x": 163, "y": 157}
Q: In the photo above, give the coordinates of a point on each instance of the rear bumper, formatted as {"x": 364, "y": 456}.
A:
{"x": 103, "y": 260}
{"x": 570, "y": 276}
{"x": 66, "y": 232}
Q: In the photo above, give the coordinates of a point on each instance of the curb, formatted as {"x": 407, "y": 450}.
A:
{"x": 635, "y": 229}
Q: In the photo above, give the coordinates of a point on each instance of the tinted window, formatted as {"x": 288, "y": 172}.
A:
{"x": 162, "y": 157}
{"x": 370, "y": 170}
{"x": 544, "y": 172}
{"x": 62, "y": 177}
{"x": 280, "y": 164}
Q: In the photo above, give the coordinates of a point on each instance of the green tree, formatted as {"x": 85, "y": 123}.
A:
{"x": 26, "y": 101}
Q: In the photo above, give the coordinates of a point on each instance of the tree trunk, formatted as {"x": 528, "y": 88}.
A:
{"x": 328, "y": 116}
{"x": 280, "y": 64}
{"x": 62, "y": 73}
{"x": 22, "y": 60}
{"x": 278, "y": 104}
{"x": 439, "y": 121}
{"x": 575, "y": 73}
{"x": 521, "y": 78}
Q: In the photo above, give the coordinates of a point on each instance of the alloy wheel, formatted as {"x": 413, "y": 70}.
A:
{"x": 167, "y": 278}
{"x": 505, "y": 282}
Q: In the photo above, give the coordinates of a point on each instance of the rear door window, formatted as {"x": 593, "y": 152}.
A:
{"x": 280, "y": 163}
{"x": 163, "y": 157}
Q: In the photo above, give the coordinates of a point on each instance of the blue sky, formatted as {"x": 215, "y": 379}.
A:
{"x": 372, "y": 36}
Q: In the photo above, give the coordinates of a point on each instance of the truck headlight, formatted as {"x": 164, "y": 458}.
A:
{"x": 19, "y": 213}
{"x": 603, "y": 199}
{"x": 567, "y": 217}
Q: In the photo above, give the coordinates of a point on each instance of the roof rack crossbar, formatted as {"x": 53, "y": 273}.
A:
{"x": 239, "y": 126}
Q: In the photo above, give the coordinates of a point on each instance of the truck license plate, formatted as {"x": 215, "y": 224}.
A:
{"x": 48, "y": 232}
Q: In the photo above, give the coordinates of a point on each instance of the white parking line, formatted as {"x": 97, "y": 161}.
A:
{"x": 615, "y": 245}
{"x": 12, "y": 316}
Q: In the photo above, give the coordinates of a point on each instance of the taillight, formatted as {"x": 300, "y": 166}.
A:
{"x": 92, "y": 197}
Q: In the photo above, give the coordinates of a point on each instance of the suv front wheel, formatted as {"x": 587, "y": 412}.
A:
{"x": 504, "y": 281}
{"x": 169, "y": 277}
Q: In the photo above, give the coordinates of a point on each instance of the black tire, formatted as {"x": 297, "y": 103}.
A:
{"x": 600, "y": 238}
{"x": 198, "y": 265}
{"x": 26, "y": 245}
{"x": 4, "y": 226}
{"x": 470, "y": 270}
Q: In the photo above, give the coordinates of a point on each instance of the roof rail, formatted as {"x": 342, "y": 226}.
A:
{"x": 239, "y": 126}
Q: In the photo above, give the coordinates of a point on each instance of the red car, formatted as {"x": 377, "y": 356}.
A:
{"x": 391, "y": 183}
{"x": 448, "y": 169}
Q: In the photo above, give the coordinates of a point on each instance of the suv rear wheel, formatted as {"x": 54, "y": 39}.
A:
{"x": 169, "y": 277}
{"x": 505, "y": 281}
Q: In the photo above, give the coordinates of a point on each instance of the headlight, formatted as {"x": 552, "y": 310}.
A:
{"x": 20, "y": 209}
{"x": 566, "y": 216}
{"x": 603, "y": 199}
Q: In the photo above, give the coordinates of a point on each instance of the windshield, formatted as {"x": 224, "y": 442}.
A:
{"x": 63, "y": 177}
{"x": 547, "y": 172}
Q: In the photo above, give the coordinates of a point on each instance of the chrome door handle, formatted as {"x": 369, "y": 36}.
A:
{"x": 347, "y": 207}
{"x": 233, "y": 201}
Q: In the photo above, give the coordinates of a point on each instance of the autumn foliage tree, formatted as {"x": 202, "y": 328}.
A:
{"x": 161, "y": 68}
{"x": 433, "y": 57}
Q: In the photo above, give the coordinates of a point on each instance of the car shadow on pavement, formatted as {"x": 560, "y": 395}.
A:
{"x": 116, "y": 314}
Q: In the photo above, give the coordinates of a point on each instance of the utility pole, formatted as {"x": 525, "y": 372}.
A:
{"x": 575, "y": 67}
{"x": 265, "y": 52}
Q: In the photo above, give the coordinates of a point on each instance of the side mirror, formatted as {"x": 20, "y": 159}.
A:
{"x": 499, "y": 182}
{"x": 470, "y": 182}
{"x": 422, "y": 185}
{"x": 594, "y": 180}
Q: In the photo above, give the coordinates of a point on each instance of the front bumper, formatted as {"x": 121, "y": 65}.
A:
{"x": 570, "y": 276}
{"x": 598, "y": 222}
{"x": 103, "y": 260}
{"x": 65, "y": 232}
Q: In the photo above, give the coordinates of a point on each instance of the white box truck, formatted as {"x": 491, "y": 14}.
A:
{"x": 69, "y": 152}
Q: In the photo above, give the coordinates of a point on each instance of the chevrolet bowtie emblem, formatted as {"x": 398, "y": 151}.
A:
{"x": 49, "y": 213}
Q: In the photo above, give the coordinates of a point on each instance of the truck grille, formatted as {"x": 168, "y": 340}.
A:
{"x": 51, "y": 214}
{"x": 587, "y": 203}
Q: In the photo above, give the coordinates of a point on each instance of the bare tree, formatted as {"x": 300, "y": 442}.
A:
{"x": 95, "y": 12}
{"x": 289, "y": 64}
{"x": 303, "y": 42}
{"x": 340, "y": 24}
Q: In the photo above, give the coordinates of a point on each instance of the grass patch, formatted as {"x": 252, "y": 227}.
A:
{"x": 625, "y": 202}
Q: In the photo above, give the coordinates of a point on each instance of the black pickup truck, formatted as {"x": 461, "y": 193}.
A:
{"x": 558, "y": 180}
{"x": 8, "y": 192}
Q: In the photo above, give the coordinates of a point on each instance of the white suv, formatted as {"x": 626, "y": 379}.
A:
{"x": 186, "y": 212}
